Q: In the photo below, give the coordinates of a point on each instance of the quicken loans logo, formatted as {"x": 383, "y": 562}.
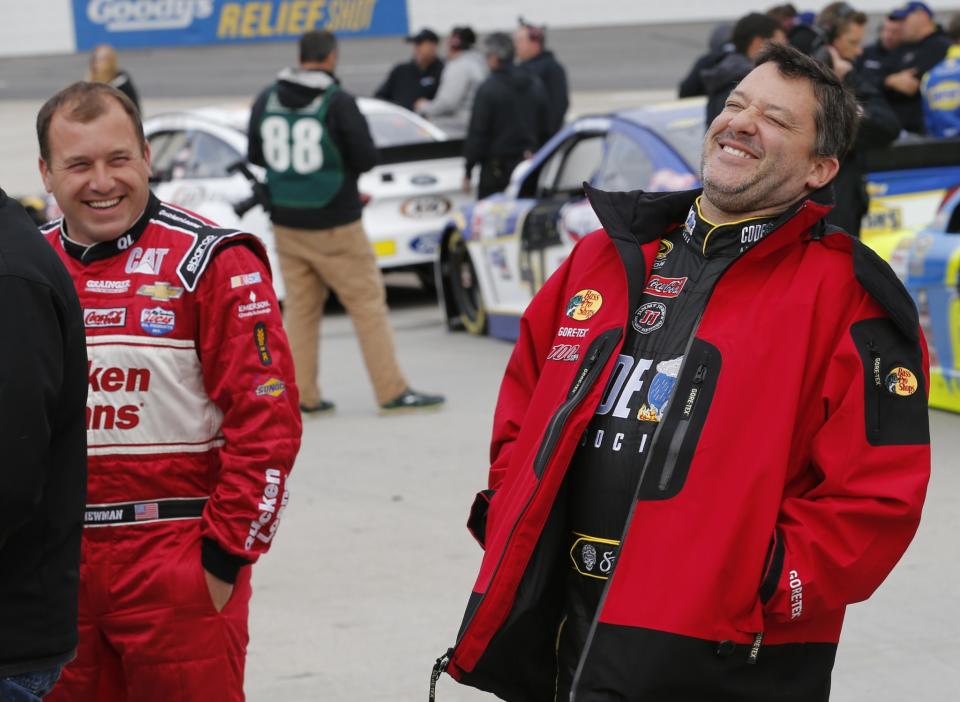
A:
{"x": 133, "y": 15}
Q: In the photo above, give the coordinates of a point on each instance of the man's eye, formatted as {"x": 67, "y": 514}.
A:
{"x": 119, "y": 159}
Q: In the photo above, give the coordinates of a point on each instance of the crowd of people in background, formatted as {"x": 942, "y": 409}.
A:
{"x": 905, "y": 82}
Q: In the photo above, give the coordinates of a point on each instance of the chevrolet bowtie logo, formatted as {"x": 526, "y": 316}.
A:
{"x": 160, "y": 291}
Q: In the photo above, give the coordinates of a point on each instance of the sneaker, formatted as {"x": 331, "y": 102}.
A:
{"x": 412, "y": 400}
{"x": 322, "y": 407}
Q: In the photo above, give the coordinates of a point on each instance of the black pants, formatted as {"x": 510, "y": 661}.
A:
{"x": 495, "y": 174}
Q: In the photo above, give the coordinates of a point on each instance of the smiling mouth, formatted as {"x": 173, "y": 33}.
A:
{"x": 733, "y": 151}
{"x": 104, "y": 204}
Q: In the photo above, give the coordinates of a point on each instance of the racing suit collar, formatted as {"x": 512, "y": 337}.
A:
{"x": 105, "y": 249}
{"x": 731, "y": 238}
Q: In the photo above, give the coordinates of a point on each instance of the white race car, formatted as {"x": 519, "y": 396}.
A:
{"x": 409, "y": 196}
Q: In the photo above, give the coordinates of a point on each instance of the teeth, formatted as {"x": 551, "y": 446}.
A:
{"x": 103, "y": 204}
{"x": 736, "y": 152}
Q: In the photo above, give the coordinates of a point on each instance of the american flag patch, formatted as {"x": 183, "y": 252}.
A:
{"x": 238, "y": 281}
{"x": 145, "y": 510}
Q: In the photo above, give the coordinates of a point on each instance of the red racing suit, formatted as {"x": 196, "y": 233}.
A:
{"x": 784, "y": 481}
{"x": 193, "y": 426}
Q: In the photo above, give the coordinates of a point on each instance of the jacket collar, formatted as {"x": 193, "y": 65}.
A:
{"x": 641, "y": 217}
{"x": 105, "y": 249}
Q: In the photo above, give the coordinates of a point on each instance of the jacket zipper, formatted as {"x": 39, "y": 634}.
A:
{"x": 877, "y": 386}
{"x": 676, "y": 441}
{"x": 586, "y": 377}
{"x": 636, "y": 495}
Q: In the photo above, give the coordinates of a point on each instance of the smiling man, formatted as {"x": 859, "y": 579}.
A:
{"x": 192, "y": 421}
{"x": 712, "y": 434}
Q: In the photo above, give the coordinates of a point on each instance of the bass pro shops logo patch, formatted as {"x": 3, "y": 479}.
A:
{"x": 584, "y": 305}
{"x": 901, "y": 381}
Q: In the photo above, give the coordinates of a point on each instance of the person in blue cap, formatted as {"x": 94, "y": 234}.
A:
{"x": 924, "y": 46}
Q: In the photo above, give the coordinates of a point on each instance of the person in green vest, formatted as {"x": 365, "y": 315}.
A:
{"x": 309, "y": 135}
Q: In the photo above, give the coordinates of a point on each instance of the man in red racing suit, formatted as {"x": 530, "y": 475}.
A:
{"x": 192, "y": 418}
{"x": 703, "y": 450}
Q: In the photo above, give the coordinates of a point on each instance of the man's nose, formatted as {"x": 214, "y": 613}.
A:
{"x": 101, "y": 178}
{"x": 744, "y": 121}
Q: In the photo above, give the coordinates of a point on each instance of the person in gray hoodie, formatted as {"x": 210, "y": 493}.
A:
{"x": 465, "y": 70}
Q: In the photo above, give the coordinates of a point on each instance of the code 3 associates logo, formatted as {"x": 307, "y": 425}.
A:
{"x": 136, "y": 15}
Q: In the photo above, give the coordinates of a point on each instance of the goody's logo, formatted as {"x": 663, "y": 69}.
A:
{"x": 157, "y": 321}
{"x": 147, "y": 15}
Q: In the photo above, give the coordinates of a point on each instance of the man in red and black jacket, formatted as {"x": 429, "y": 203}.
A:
{"x": 712, "y": 434}
{"x": 192, "y": 415}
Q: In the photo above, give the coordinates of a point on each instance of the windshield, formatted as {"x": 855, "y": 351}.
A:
{"x": 393, "y": 129}
{"x": 686, "y": 136}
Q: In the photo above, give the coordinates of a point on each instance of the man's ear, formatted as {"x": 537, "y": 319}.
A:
{"x": 823, "y": 170}
{"x": 45, "y": 174}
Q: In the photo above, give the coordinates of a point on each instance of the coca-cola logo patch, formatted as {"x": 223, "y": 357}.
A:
{"x": 95, "y": 318}
{"x": 664, "y": 287}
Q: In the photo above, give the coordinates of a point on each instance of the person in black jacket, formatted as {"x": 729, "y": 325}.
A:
{"x": 417, "y": 78}
{"x": 105, "y": 69}
{"x": 925, "y": 44}
{"x": 843, "y": 29}
{"x": 43, "y": 395}
{"x": 510, "y": 119}
{"x": 529, "y": 44}
{"x": 312, "y": 139}
{"x": 751, "y": 33}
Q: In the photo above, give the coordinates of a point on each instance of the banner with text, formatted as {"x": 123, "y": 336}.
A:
{"x": 148, "y": 23}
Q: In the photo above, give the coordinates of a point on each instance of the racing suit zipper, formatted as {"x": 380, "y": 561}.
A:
{"x": 597, "y": 356}
{"x": 676, "y": 441}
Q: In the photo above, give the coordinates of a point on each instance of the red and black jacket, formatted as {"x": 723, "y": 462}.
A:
{"x": 783, "y": 483}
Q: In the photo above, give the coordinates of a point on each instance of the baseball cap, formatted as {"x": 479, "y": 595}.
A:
{"x": 901, "y": 12}
{"x": 422, "y": 36}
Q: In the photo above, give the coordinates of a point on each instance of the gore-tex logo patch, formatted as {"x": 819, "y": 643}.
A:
{"x": 664, "y": 287}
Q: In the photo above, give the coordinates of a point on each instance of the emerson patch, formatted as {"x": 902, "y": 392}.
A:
{"x": 895, "y": 395}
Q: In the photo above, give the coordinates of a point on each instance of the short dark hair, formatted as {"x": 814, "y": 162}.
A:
{"x": 500, "y": 45}
{"x": 463, "y": 37}
{"x": 750, "y": 27}
{"x": 83, "y": 102}
{"x": 837, "y": 17}
{"x": 837, "y": 114}
{"x": 317, "y": 45}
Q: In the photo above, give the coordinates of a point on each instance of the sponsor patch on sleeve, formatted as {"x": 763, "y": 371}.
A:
{"x": 239, "y": 281}
{"x": 260, "y": 339}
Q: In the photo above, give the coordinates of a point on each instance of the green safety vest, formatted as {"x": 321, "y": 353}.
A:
{"x": 304, "y": 167}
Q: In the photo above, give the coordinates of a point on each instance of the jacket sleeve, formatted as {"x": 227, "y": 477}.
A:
{"x": 254, "y": 142}
{"x": 32, "y": 372}
{"x": 352, "y": 134}
{"x": 454, "y": 84}
{"x": 248, "y": 373}
{"x": 385, "y": 91}
{"x": 838, "y": 537}
{"x": 479, "y": 132}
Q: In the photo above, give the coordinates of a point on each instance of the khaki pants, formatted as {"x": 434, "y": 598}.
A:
{"x": 314, "y": 261}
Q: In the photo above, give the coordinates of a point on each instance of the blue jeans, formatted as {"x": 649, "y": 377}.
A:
{"x": 29, "y": 687}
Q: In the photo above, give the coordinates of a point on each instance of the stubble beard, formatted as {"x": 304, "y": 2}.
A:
{"x": 748, "y": 195}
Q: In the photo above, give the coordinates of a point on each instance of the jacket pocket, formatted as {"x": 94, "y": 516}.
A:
{"x": 477, "y": 521}
{"x": 676, "y": 442}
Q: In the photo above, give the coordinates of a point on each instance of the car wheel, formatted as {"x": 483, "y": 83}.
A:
{"x": 464, "y": 286}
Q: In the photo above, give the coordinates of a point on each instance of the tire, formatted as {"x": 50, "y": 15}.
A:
{"x": 464, "y": 286}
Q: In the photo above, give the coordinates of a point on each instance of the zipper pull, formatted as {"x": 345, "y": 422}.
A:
{"x": 438, "y": 669}
{"x": 755, "y": 649}
{"x": 700, "y": 375}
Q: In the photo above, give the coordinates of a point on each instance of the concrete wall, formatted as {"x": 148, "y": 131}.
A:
{"x": 31, "y": 27}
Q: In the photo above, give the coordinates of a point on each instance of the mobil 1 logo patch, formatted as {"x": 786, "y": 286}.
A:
{"x": 649, "y": 317}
